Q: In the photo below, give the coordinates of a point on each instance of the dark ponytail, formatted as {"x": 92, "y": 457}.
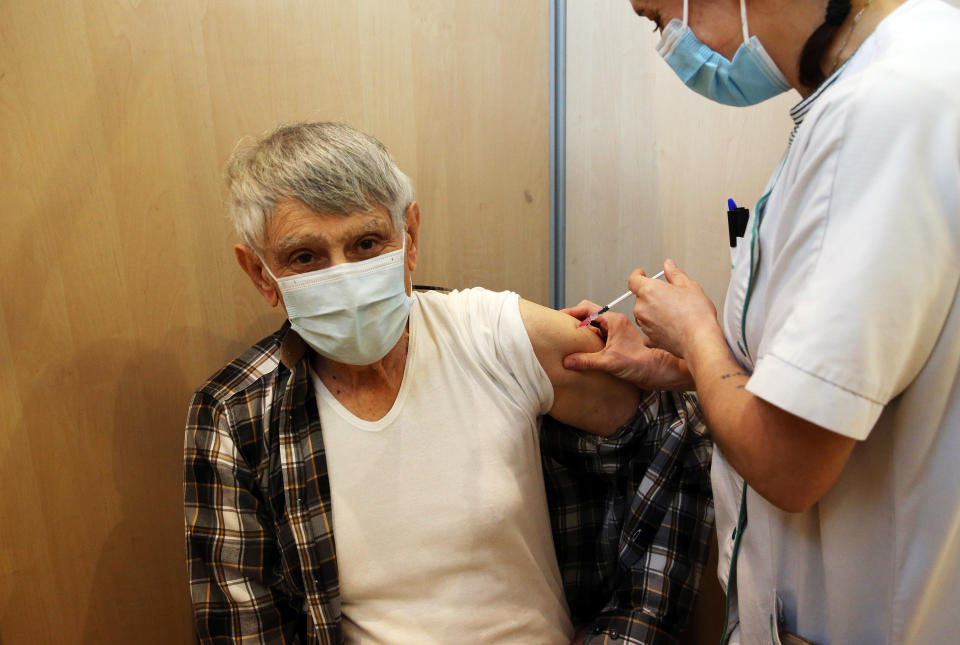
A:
{"x": 811, "y": 60}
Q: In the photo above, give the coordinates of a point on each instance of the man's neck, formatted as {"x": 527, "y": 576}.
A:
{"x": 367, "y": 391}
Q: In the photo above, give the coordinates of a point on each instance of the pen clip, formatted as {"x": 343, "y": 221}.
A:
{"x": 737, "y": 217}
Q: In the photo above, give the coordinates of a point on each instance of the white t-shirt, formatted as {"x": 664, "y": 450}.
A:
{"x": 854, "y": 324}
{"x": 440, "y": 516}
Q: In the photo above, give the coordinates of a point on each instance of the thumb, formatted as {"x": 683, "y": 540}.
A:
{"x": 673, "y": 274}
{"x": 586, "y": 362}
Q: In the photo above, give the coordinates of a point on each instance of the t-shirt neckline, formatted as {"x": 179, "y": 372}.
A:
{"x": 324, "y": 395}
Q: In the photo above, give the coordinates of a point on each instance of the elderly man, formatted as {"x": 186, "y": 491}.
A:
{"x": 400, "y": 426}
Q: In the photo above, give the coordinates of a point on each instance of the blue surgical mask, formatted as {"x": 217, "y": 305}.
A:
{"x": 751, "y": 77}
{"x": 351, "y": 313}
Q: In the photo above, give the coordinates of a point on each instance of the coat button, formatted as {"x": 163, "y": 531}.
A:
{"x": 614, "y": 634}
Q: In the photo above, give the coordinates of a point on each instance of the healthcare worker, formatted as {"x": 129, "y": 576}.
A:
{"x": 831, "y": 385}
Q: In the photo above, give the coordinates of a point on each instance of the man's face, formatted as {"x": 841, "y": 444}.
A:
{"x": 715, "y": 22}
{"x": 299, "y": 240}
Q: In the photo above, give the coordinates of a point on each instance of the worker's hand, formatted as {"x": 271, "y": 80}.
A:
{"x": 627, "y": 354}
{"x": 673, "y": 314}
{"x": 583, "y": 310}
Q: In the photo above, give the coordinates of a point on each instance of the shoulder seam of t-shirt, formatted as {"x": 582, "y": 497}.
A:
{"x": 527, "y": 343}
{"x": 473, "y": 297}
{"x": 498, "y": 337}
{"x": 481, "y": 299}
{"x": 452, "y": 304}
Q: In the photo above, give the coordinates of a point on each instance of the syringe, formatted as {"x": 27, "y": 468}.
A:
{"x": 589, "y": 319}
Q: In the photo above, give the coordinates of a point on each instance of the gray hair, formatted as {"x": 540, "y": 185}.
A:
{"x": 330, "y": 167}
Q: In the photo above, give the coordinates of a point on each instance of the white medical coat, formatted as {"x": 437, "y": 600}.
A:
{"x": 853, "y": 324}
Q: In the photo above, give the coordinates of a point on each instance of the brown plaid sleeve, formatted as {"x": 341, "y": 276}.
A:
{"x": 238, "y": 593}
{"x": 632, "y": 518}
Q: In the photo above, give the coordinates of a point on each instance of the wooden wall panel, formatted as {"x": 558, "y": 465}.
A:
{"x": 650, "y": 164}
{"x": 120, "y": 292}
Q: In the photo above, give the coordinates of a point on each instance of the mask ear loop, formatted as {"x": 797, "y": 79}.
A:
{"x": 276, "y": 282}
{"x": 269, "y": 272}
{"x": 743, "y": 18}
{"x": 743, "y": 21}
{"x": 403, "y": 258}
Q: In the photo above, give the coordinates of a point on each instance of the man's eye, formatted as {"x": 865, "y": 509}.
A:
{"x": 367, "y": 244}
{"x": 303, "y": 258}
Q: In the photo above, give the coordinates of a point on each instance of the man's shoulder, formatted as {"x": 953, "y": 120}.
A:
{"x": 227, "y": 416}
{"x": 462, "y": 297}
{"x": 466, "y": 307}
{"x": 477, "y": 318}
{"x": 247, "y": 370}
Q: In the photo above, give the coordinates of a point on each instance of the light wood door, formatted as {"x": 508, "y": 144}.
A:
{"x": 120, "y": 293}
{"x": 650, "y": 164}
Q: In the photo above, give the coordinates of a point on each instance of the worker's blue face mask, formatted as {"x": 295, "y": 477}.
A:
{"x": 351, "y": 313}
{"x": 751, "y": 77}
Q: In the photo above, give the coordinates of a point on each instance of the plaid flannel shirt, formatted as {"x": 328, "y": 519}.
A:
{"x": 631, "y": 514}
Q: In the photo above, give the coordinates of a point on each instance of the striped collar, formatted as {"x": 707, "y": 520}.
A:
{"x": 799, "y": 111}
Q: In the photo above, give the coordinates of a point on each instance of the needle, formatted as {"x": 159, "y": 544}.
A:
{"x": 589, "y": 319}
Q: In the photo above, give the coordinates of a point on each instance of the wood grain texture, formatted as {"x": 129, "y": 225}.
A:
{"x": 120, "y": 291}
{"x": 650, "y": 164}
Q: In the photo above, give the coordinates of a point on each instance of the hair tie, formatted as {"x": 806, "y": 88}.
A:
{"x": 837, "y": 12}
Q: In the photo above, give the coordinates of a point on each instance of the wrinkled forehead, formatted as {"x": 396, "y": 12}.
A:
{"x": 293, "y": 221}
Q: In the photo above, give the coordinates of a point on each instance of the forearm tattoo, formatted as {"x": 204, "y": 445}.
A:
{"x": 732, "y": 374}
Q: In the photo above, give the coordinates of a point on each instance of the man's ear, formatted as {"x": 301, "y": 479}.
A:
{"x": 412, "y": 217}
{"x": 253, "y": 267}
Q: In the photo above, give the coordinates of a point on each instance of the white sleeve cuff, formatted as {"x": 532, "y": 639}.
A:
{"x": 811, "y": 398}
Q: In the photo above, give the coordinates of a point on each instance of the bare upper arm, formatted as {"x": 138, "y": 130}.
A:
{"x": 593, "y": 401}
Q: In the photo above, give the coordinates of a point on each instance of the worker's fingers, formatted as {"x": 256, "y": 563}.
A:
{"x": 602, "y": 323}
{"x": 601, "y": 326}
{"x": 674, "y": 275}
{"x": 635, "y": 281}
{"x": 583, "y": 309}
{"x": 612, "y": 325}
{"x": 597, "y": 361}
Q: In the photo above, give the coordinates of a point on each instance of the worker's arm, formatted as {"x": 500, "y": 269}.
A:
{"x": 790, "y": 461}
{"x": 593, "y": 401}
